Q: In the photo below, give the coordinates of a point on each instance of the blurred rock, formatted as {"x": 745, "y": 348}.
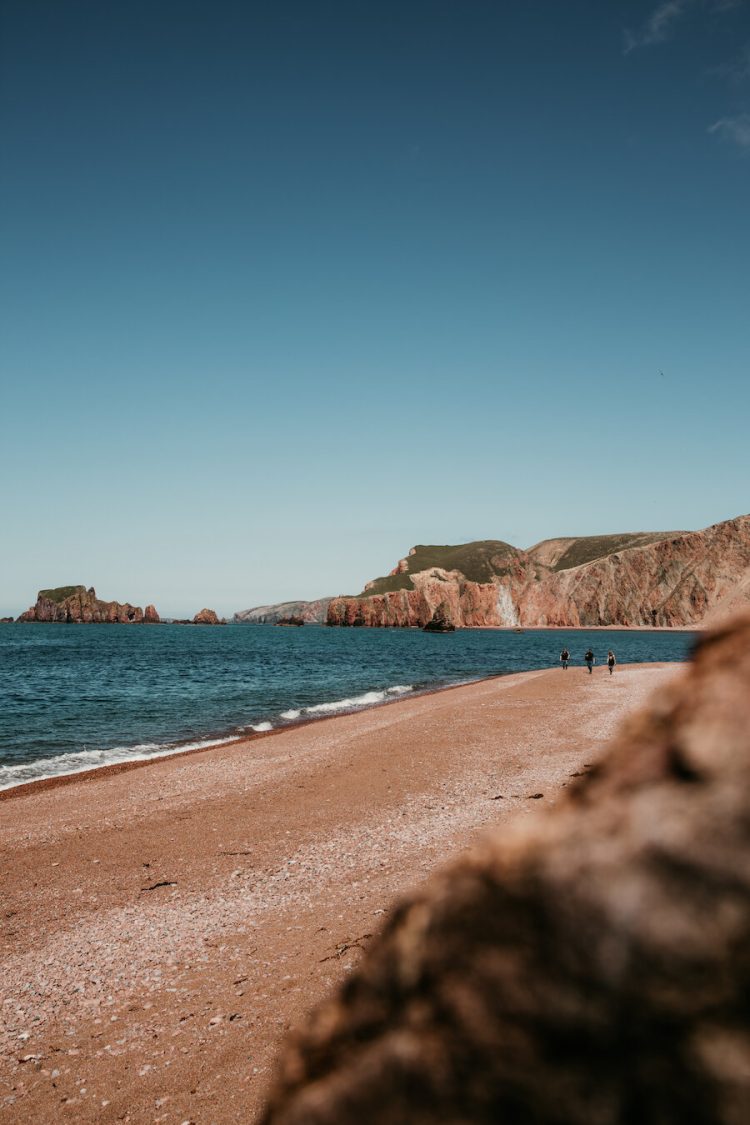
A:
{"x": 588, "y": 964}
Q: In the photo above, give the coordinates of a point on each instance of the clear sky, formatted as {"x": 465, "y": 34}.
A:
{"x": 287, "y": 288}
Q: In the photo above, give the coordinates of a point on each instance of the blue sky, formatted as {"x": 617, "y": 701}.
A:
{"x": 289, "y": 288}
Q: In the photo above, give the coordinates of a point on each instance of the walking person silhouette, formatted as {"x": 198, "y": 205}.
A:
{"x": 611, "y": 661}
{"x": 590, "y": 660}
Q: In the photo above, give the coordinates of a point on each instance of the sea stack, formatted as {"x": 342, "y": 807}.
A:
{"x": 441, "y": 622}
{"x": 206, "y": 617}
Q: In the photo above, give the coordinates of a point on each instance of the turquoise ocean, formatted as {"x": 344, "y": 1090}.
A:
{"x": 74, "y": 697}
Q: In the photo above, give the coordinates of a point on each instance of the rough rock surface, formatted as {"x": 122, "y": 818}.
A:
{"x": 682, "y": 579}
{"x": 150, "y": 615}
{"x": 206, "y": 617}
{"x": 312, "y": 613}
{"x": 76, "y": 604}
{"x": 588, "y": 965}
{"x": 441, "y": 622}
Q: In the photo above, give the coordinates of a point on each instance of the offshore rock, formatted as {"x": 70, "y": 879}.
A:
{"x": 77, "y": 605}
{"x": 206, "y": 617}
{"x": 587, "y": 965}
{"x": 440, "y": 622}
{"x": 676, "y": 579}
{"x": 150, "y": 616}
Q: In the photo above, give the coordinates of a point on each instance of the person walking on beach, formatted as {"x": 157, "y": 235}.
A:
{"x": 590, "y": 660}
{"x": 564, "y": 658}
{"x": 611, "y": 661}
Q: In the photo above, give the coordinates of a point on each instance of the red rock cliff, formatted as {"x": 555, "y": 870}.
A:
{"x": 678, "y": 579}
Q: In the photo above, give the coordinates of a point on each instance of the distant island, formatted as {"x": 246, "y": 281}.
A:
{"x": 659, "y": 579}
{"x": 77, "y": 605}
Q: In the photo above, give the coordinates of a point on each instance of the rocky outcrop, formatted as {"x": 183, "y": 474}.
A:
{"x": 312, "y": 613}
{"x": 441, "y": 622}
{"x": 586, "y": 965}
{"x": 679, "y": 579}
{"x": 77, "y": 605}
{"x": 150, "y": 616}
{"x": 298, "y": 621}
{"x": 6, "y": 620}
{"x": 206, "y": 617}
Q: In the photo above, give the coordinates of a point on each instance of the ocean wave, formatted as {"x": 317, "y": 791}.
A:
{"x": 19, "y": 773}
{"x": 356, "y": 701}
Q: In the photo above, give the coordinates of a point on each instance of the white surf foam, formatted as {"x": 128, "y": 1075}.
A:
{"x": 367, "y": 700}
{"x": 76, "y": 762}
{"x": 80, "y": 760}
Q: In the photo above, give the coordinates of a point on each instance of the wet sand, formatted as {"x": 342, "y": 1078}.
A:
{"x": 162, "y": 927}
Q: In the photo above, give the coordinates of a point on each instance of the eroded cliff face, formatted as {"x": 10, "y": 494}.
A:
{"x": 679, "y": 580}
{"x": 469, "y": 603}
{"x": 77, "y": 605}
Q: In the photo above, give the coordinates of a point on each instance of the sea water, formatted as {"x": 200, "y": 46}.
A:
{"x": 73, "y": 697}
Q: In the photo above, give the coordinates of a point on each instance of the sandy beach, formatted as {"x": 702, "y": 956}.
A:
{"x": 162, "y": 927}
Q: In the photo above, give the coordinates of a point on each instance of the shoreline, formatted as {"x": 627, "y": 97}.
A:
{"x": 217, "y": 740}
{"x": 222, "y": 741}
{"x": 588, "y": 628}
{"x": 176, "y": 922}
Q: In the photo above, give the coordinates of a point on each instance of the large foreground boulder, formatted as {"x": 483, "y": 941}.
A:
{"x": 590, "y": 965}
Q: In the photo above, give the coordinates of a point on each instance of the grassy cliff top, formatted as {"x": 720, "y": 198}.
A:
{"x": 478, "y": 562}
{"x": 564, "y": 554}
{"x": 60, "y": 593}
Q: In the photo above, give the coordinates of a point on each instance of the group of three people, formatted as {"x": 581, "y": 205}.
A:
{"x": 590, "y": 660}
